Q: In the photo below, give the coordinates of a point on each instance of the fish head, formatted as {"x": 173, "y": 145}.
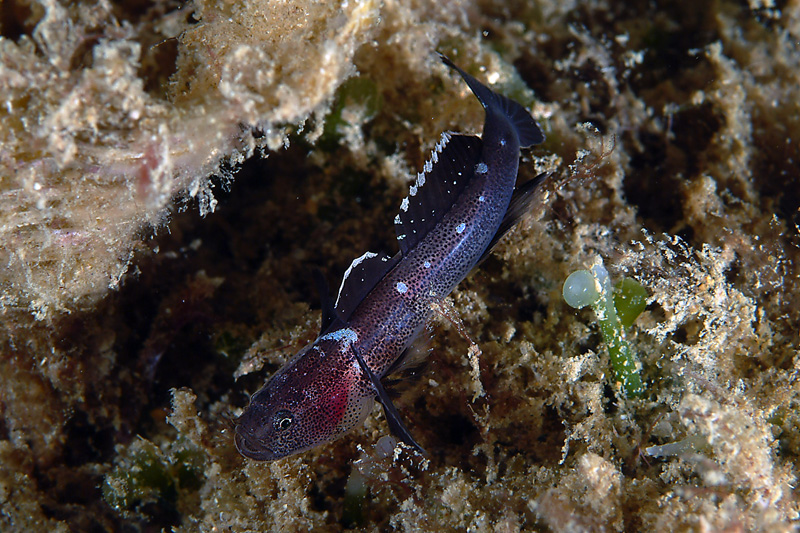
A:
{"x": 306, "y": 404}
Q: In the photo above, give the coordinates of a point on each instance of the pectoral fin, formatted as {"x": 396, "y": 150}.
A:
{"x": 521, "y": 202}
{"x": 396, "y": 425}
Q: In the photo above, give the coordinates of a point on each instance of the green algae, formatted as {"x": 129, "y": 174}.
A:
{"x": 616, "y": 309}
{"x": 357, "y": 101}
{"x": 145, "y": 474}
{"x": 630, "y": 300}
{"x": 145, "y": 477}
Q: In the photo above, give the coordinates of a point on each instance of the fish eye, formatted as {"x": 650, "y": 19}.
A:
{"x": 283, "y": 420}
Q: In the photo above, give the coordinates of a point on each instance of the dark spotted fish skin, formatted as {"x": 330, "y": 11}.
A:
{"x": 398, "y": 308}
{"x": 446, "y": 225}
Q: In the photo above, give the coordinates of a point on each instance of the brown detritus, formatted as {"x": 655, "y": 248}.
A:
{"x": 594, "y": 503}
{"x": 392, "y": 468}
{"x": 109, "y": 157}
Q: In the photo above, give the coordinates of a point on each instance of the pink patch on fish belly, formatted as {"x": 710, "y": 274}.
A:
{"x": 333, "y": 401}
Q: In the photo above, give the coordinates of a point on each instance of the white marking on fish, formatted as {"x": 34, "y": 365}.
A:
{"x": 357, "y": 261}
{"x": 344, "y": 334}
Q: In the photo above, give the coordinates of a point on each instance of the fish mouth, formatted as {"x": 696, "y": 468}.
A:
{"x": 251, "y": 447}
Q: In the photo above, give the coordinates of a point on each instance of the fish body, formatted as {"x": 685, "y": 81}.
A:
{"x": 460, "y": 205}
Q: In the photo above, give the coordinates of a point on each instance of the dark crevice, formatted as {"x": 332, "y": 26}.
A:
{"x": 652, "y": 186}
{"x": 16, "y": 19}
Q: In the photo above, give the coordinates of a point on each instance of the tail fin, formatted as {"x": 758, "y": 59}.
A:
{"x": 527, "y": 129}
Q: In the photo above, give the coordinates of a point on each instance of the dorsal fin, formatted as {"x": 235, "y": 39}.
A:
{"x": 328, "y": 310}
{"x": 521, "y": 201}
{"x": 360, "y": 278}
{"x": 445, "y": 175}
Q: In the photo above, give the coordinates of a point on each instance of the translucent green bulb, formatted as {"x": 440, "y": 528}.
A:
{"x": 585, "y": 287}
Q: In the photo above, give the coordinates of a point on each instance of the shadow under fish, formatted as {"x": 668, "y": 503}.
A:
{"x": 462, "y": 203}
